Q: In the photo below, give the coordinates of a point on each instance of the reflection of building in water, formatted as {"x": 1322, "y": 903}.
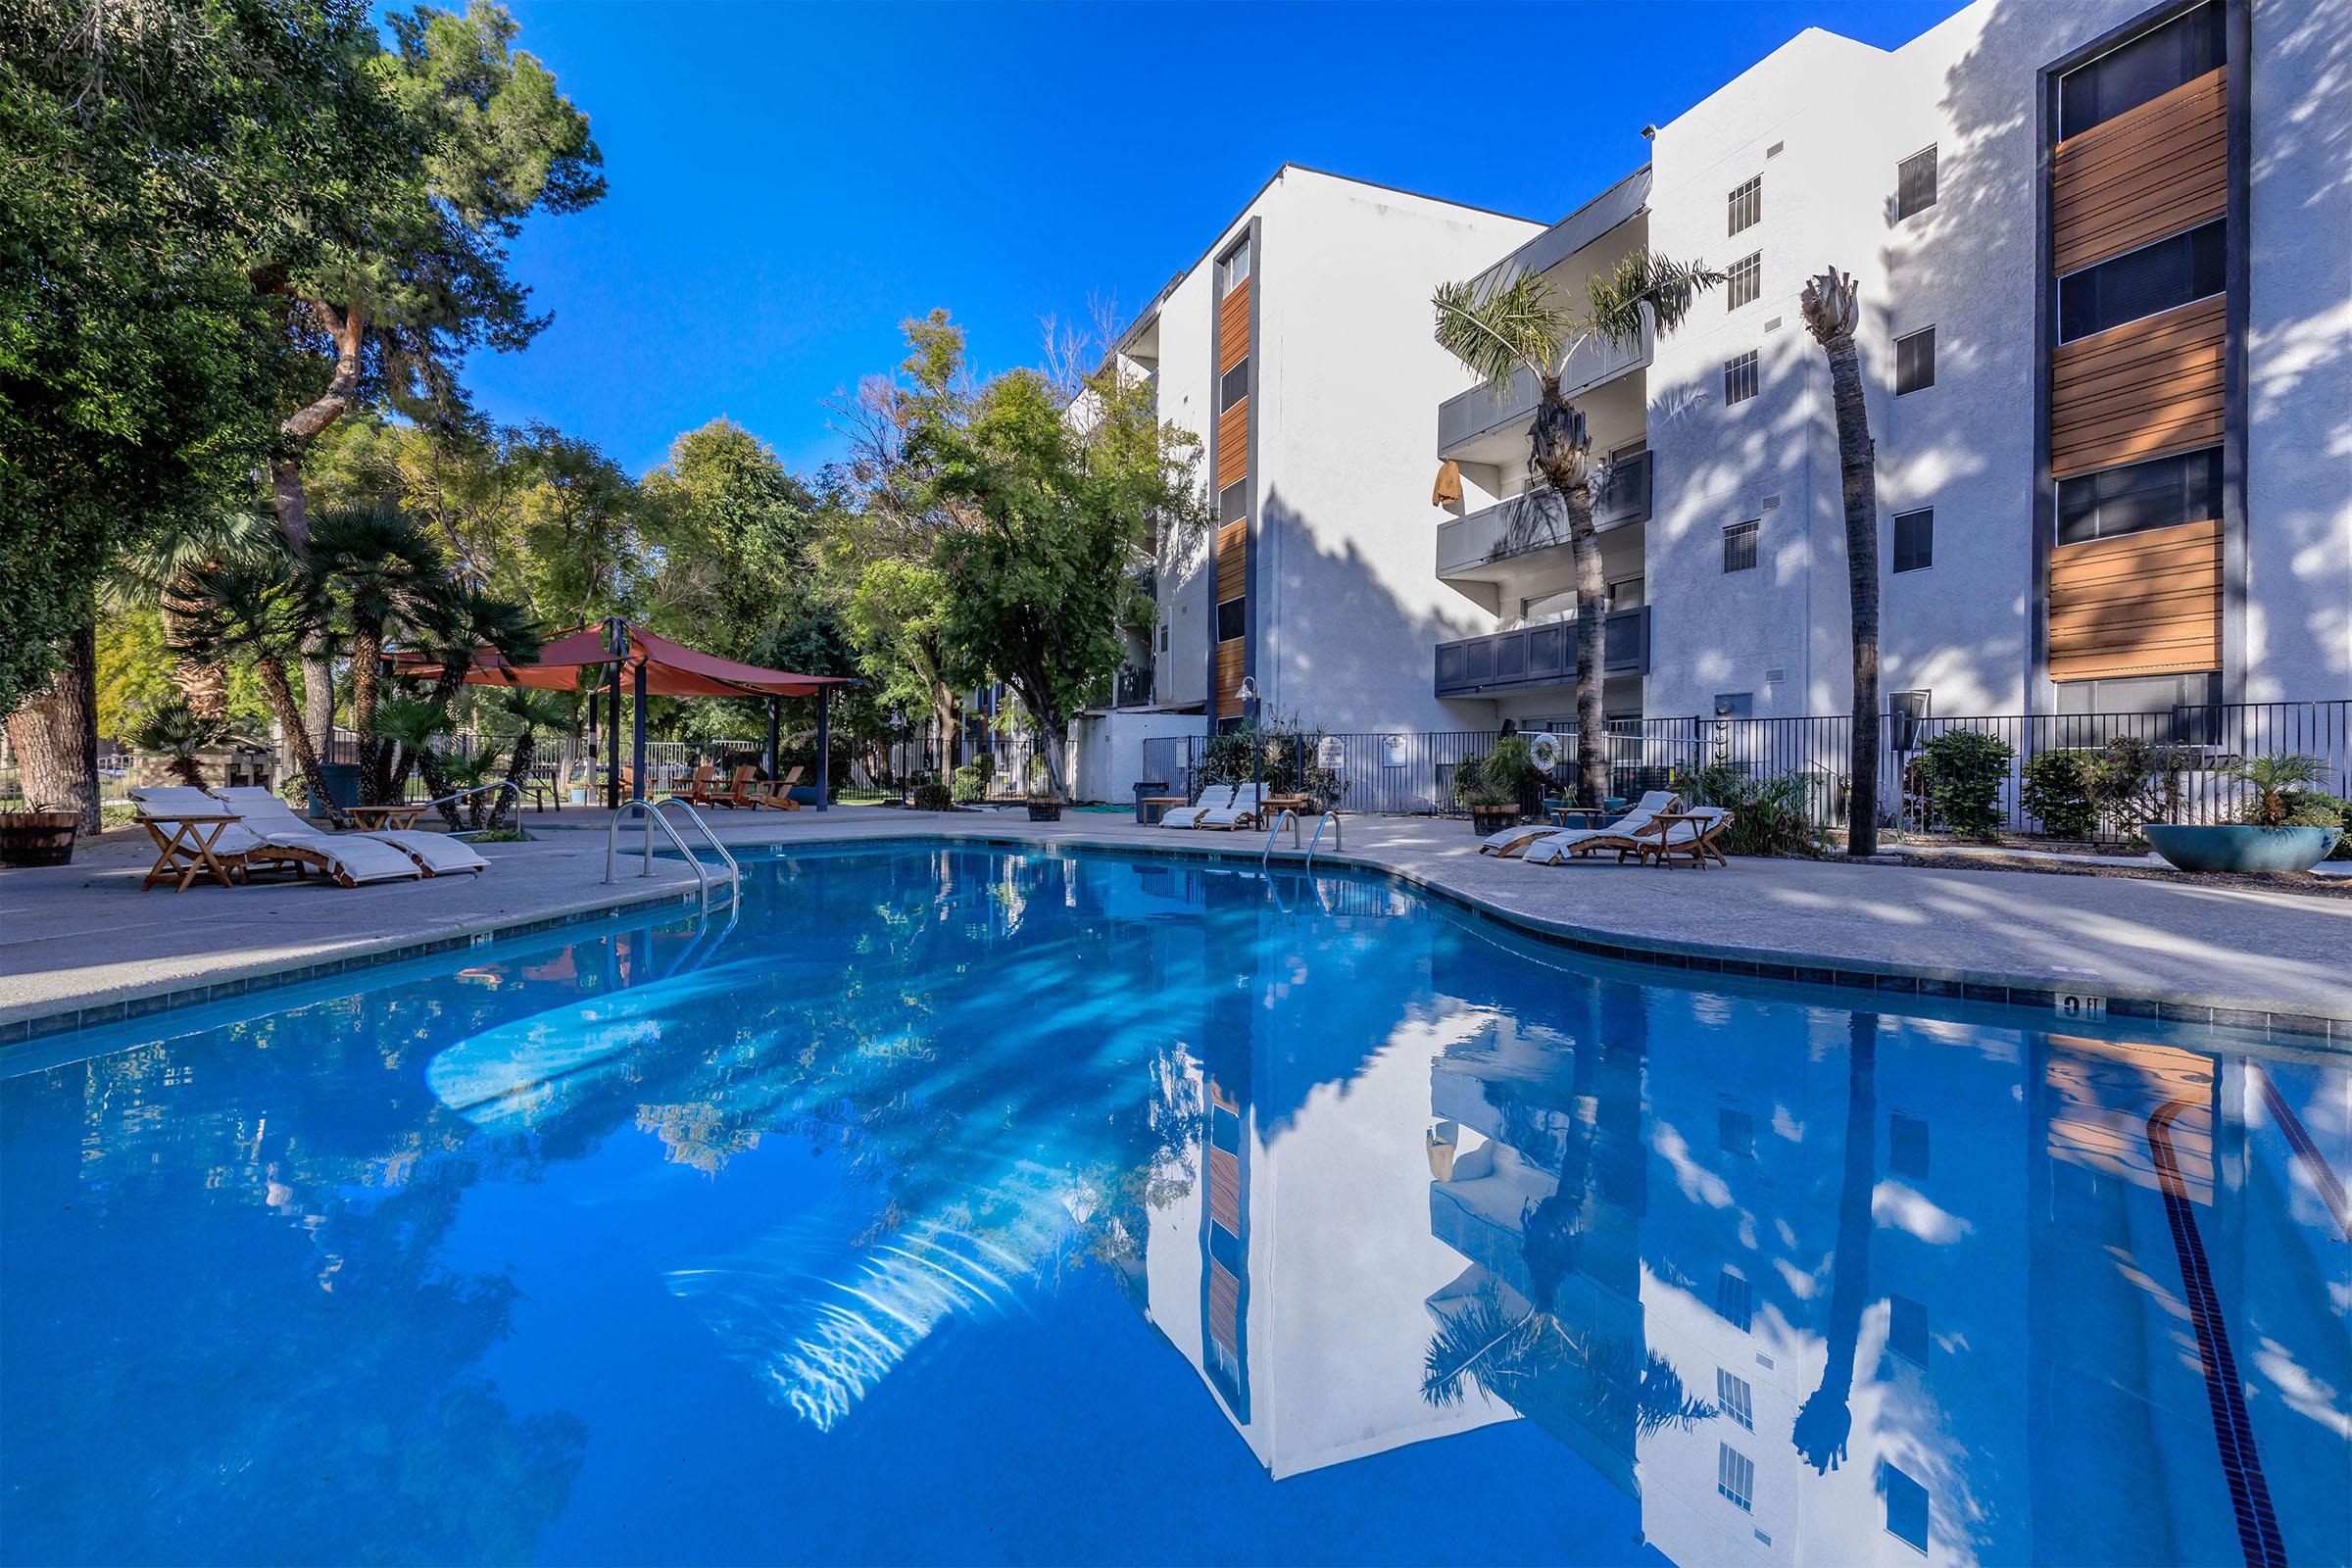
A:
{"x": 1978, "y": 1296}
{"x": 1291, "y": 1203}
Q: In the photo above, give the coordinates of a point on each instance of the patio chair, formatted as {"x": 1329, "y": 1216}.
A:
{"x": 1624, "y": 835}
{"x": 1247, "y": 807}
{"x": 432, "y": 853}
{"x": 1687, "y": 835}
{"x": 1514, "y": 841}
{"x": 274, "y": 835}
{"x": 702, "y": 790}
{"x": 187, "y": 845}
{"x": 776, "y": 794}
{"x": 1214, "y": 797}
{"x": 740, "y": 790}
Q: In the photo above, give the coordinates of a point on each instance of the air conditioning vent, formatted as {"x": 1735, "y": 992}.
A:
{"x": 1772, "y": 323}
{"x": 1772, "y": 675}
{"x": 1773, "y": 151}
{"x": 1772, "y": 503}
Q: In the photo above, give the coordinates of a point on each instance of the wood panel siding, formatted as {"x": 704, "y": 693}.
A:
{"x": 1233, "y": 561}
{"x": 2156, "y": 170}
{"x": 2140, "y": 390}
{"x": 1224, "y": 1308}
{"x": 1233, "y": 444}
{"x": 1231, "y": 658}
{"x": 1233, "y": 327}
{"x": 1225, "y": 1189}
{"x": 2138, "y": 603}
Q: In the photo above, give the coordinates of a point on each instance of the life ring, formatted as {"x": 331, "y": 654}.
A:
{"x": 1544, "y": 750}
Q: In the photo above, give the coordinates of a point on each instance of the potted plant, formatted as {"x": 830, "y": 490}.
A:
{"x": 2285, "y": 825}
{"x": 1493, "y": 786}
{"x": 41, "y": 836}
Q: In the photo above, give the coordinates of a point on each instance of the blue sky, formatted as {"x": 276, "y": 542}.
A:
{"x": 787, "y": 182}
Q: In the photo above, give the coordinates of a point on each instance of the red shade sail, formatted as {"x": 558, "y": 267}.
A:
{"x": 671, "y": 670}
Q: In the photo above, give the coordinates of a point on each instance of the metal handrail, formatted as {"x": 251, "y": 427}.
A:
{"x": 702, "y": 825}
{"x": 1338, "y": 837}
{"x": 1288, "y": 816}
{"x": 478, "y": 789}
{"x": 655, "y": 817}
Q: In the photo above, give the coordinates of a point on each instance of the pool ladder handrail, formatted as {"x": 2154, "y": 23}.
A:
{"x": 1338, "y": 846}
{"x": 655, "y": 817}
{"x": 1275, "y": 832}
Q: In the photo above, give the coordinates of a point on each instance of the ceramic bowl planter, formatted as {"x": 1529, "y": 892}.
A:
{"x": 1044, "y": 811}
{"x": 2237, "y": 848}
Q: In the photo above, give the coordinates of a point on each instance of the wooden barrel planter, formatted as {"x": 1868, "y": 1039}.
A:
{"x": 37, "y": 838}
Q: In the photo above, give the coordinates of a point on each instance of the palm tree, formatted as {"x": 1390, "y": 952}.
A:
{"x": 534, "y": 710}
{"x": 1826, "y": 1419}
{"x": 467, "y": 620}
{"x": 1514, "y": 322}
{"x": 174, "y": 726}
{"x": 158, "y": 572}
{"x": 268, "y": 610}
{"x": 387, "y": 573}
{"x": 1831, "y": 311}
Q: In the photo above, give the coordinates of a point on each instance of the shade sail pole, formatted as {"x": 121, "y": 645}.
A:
{"x": 768, "y": 762}
{"x": 637, "y": 777}
{"x": 825, "y": 748}
{"x": 612, "y": 742}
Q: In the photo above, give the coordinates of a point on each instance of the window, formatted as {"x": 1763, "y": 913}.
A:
{"x": 1907, "y": 1146}
{"x": 2143, "y": 495}
{"x": 1233, "y": 502}
{"x": 1233, "y": 270}
{"x": 1231, "y": 622}
{"x": 1739, "y": 377}
{"x": 1163, "y": 636}
{"x": 1735, "y": 1300}
{"x": 1915, "y": 540}
{"x": 1739, "y": 546}
{"x": 1736, "y": 1133}
{"x": 2149, "y": 67}
{"x": 1734, "y": 1474}
{"x": 1906, "y": 1507}
{"x": 1915, "y": 362}
{"x": 2139, "y": 283}
{"x": 2152, "y": 696}
{"x": 1233, "y": 386}
{"x": 1907, "y": 1328}
{"x": 1733, "y": 1393}
{"x": 1747, "y": 205}
{"x": 1915, "y": 183}
{"x": 1747, "y": 280}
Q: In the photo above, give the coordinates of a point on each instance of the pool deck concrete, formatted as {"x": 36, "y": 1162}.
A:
{"x": 80, "y": 940}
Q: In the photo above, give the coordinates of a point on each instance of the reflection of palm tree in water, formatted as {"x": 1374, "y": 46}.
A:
{"x": 1822, "y": 1425}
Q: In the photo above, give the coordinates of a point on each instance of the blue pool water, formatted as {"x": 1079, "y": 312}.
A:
{"x": 956, "y": 1205}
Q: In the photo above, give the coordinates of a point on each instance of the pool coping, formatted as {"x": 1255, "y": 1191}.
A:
{"x": 1979, "y": 986}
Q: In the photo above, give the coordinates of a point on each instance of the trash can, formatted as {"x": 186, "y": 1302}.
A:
{"x": 342, "y": 784}
{"x": 1143, "y": 790}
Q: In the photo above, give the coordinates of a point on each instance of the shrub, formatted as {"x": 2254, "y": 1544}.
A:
{"x": 1962, "y": 772}
{"x": 2271, "y": 783}
{"x": 1769, "y": 815}
{"x": 970, "y": 782}
{"x": 1500, "y": 777}
{"x": 2056, "y": 789}
{"x": 1280, "y": 751}
{"x": 2134, "y": 781}
{"x": 932, "y": 795}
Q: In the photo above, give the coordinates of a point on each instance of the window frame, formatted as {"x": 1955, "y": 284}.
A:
{"x": 2210, "y": 486}
{"x": 1903, "y": 208}
{"x": 1240, "y": 511}
{"x": 1743, "y": 370}
{"x": 1238, "y": 605}
{"x": 1227, "y": 397}
{"x": 1750, "y": 269}
{"x": 1240, "y": 252}
{"x": 1894, "y": 543}
{"x": 1744, "y": 205}
{"x": 2219, "y": 227}
{"x": 1928, "y": 332}
{"x": 1750, "y": 532}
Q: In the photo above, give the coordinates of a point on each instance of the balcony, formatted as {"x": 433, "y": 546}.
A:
{"x": 1539, "y": 656}
{"x": 1468, "y": 416}
{"x": 1534, "y": 521}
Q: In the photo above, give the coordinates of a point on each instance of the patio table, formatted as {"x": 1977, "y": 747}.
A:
{"x": 186, "y": 852}
{"x": 394, "y": 817}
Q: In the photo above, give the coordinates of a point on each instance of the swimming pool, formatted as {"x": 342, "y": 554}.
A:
{"x": 972, "y": 1205}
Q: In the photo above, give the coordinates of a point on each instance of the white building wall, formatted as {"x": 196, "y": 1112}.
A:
{"x": 1348, "y": 612}
{"x": 1186, "y": 563}
{"x": 1107, "y": 751}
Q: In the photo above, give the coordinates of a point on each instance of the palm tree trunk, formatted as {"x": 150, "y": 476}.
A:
{"x": 367, "y": 659}
{"x": 519, "y": 769}
{"x": 1821, "y": 1426}
{"x": 1591, "y": 602}
{"x": 437, "y": 780}
{"x": 55, "y": 734}
{"x": 289, "y": 718}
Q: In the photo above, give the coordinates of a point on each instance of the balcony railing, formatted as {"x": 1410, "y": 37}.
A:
{"x": 1467, "y": 416}
{"x": 1535, "y": 521}
{"x": 1539, "y": 656}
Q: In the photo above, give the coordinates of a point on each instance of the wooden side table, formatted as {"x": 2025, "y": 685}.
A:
{"x": 1156, "y": 807}
{"x": 395, "y": 817}
{"x": 186, "y": 852}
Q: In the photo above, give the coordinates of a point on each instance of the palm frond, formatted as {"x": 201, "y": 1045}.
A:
{"x": 1500, "y": 328}
{"x": 1482, "y": 1342}
{"x": 1615, "y": 299}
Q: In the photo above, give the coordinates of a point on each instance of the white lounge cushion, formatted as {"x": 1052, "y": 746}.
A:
{"x": 352, "y": 855}
{"x": 161, "y": 801}
{"x": 1633, "y": 826}
{"x": 439, "y": 854}
{"x": 1215, "y": 797}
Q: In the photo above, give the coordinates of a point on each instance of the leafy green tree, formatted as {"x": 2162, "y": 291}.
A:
{"x": 479, "y": 138}
{"x": 1517, "y": 322}
{"x": 1058, "y": 507}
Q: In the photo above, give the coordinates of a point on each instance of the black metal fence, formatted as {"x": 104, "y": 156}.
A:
{"x": 2090, "y": 778}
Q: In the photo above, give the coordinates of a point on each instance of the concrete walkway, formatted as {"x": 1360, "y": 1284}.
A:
{"x": 85, "y": 934}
